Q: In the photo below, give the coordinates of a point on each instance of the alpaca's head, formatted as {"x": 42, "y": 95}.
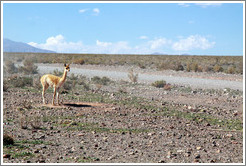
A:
{"x": 67, "y": 68}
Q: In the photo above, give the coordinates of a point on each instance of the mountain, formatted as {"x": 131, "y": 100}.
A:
{"x": 12, "y": 46}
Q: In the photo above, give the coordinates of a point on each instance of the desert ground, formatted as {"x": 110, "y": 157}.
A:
{"x": 107, "y": 117}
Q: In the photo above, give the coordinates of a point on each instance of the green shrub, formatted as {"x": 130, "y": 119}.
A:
{"x": 98, "y": 80}
{"x": 20, "y": 81}
{"x": 159, "y": 84}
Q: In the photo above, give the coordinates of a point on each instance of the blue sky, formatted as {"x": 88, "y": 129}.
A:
{"x": 127, "y": 28}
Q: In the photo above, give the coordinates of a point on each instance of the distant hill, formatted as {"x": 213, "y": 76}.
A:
{"x": 12, "y": 46}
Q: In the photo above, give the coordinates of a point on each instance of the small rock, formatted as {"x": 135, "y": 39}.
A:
{"x": 199, "y": 148}
{"x": 180, "y": 151}
{"x": 36, "y": 151}
{"x": 6, "y": 156}
{"x": 161, "y": 161}
{"x": 229, "y": 135}
{"x": 80, "y": 134}
{"x": 198, "y": 156}
{"x": 218, "y": 151}
{"x": 196, "y": 161}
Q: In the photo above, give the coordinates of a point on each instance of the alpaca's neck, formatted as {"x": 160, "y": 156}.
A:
{"x": 62, "y": 80}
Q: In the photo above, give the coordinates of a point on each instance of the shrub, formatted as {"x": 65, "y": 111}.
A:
{"x": 167, "y": 87}
{"x": 231, "y": 70}
{"x": 19, "y": 81}
{"x": 36, "y": 83}
{"x": 207, "y": 69}
{"x": 217, "y": 68}
{"x": 179, "y": 67}
{"x": 98, "y": 80}
{"x": 79, "y": 61}
{"x": 10, "y": 68}
{"x": 57, "y": 72}
{"x": 188, "y": 67}
{"x": 8, "y": 140}
{"x": 5, "y": 86}
{"x": 29, "y": 67}
{"x": 133, "y": 77}
{"x": 194, "y": 67}
{"x": 199, "y": 69}
{"x": 159, "y": 84}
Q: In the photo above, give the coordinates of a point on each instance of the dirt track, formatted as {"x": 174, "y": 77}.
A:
{"x": 193, "y": 79}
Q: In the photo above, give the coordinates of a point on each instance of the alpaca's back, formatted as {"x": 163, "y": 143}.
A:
{"x": 49, "y": 80}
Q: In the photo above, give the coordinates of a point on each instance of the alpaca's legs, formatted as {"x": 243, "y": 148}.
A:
{"x": 44, "y": 89}
{"x": 57, "y": 96}
{"x": 54, "y": 95}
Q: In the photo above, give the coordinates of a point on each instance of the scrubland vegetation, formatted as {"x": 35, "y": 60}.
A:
{"x": 226, "y": 64}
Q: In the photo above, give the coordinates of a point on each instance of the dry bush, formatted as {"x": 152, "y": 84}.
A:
{"x": 194, "y": 67}
{"x": 5, "y": 86}
{"x": 207, "y": 69}
{"x": 217, "y": 68}
{"x": 231, "y": 70}
{"x": 79, "y": 61}
{"x": 29, "y": 67}
{"x": 132, "y": 76}
{"x": 188, "y": 67}
{"x": 8, "y": 140}
{"x": 199, "y": 69}
{"x": 23, "y": 120}
{"x": 36, "y": 122}
{"x": 159, "y": 84}
{"x": 10, "y": 68}
{"x": 98, "y": 87}
{"x": 178, "y": 67}
{"x": 167, "y": 87}
{"x": 36, "y": 83}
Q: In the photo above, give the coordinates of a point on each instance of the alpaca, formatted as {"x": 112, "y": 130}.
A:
{"x": 55, "y": 82}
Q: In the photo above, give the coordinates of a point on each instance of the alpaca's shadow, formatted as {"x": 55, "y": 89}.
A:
{"x": 77, "y": 105}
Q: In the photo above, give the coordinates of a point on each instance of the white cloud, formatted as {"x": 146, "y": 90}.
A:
{"x": 205, "y": 5}
{"x": 184, "y": 4}
{"x": 192, "y": 42}
{"x": 83, "y": 10}
{"x": 59, "y": 44}
{"x": 158, "y": 42}
{"x": 96, "y": 11}
{"x": 143, "y": 37}
{"x": 103, "y": 44}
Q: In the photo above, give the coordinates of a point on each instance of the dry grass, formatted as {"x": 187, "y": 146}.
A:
{"x": 161, "y": 62}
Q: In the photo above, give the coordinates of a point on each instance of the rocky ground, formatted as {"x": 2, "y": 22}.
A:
{"x": 125, "y": 123}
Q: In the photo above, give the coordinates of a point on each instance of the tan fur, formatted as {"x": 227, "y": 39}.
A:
{"x": 55, "y": 82}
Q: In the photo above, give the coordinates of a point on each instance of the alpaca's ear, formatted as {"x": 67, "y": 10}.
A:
{"x": 65, "y": 64}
